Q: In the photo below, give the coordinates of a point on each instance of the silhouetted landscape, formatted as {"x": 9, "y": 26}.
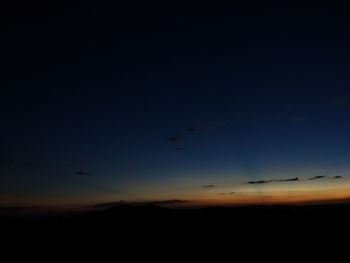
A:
{"x": 143, "y": 226}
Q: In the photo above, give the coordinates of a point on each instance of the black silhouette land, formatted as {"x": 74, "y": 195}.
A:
{"x": 113, "y": 228}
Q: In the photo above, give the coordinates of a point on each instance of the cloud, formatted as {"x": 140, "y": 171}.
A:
{"x": 175, "y": 138}
{"x": 317, "y": 177}
{"x": 275, "y": 181}
{"x": 192, "y": 130}
{"x": 320, "y": 177}
{"x": 289, "y": 180}
{"x": 209, "y": 186}
{"x": 196, "y": 128}
{"x": 338, "y": 177}
{"x": 261, "y": 182}
{"x": 83, "y": 173}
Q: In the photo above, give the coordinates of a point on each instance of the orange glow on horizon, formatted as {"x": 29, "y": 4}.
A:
{"x": 241, "y": 194}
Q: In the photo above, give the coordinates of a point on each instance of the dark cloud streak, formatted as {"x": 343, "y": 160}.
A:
{"x": 289, "y": 180}
{"x": 83, "y": 173}
{"x": 208, "y": 186}
{"x": 260, "y": 182}
{"x": 175, "y": 138}
{"x": 275, "y": 181}
{"x": 338, "y": 177}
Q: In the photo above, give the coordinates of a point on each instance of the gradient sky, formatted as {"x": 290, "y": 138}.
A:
{"x": 99, "y": 88}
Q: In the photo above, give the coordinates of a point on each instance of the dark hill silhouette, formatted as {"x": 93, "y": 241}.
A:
{"x": 247, "y": 216}
{"x": 114, "y": 230}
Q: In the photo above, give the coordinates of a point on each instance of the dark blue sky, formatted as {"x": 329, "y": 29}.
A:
{"x": 100, "y": 88}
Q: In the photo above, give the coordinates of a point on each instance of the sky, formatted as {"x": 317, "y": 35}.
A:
{"x": 215, "y": 105}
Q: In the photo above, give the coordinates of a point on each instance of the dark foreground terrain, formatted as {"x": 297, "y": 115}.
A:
{"x": 145, "y": 232}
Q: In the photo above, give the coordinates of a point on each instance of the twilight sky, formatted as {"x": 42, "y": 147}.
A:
{"x": 215, "y": 105}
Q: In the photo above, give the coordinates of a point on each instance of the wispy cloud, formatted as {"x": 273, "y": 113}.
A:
{"x": 83, "y": 173}
{"x": 193, "y": 130}
{"x": 275, "y": 181}
{"x": 317, "y": 177}
{"x": 175, "y": 138}
{"x": 338, "y": 177}
{"x": 289, "y": 180}
{"x": 261, "y": 182}
{"x": 208, "y": 186}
